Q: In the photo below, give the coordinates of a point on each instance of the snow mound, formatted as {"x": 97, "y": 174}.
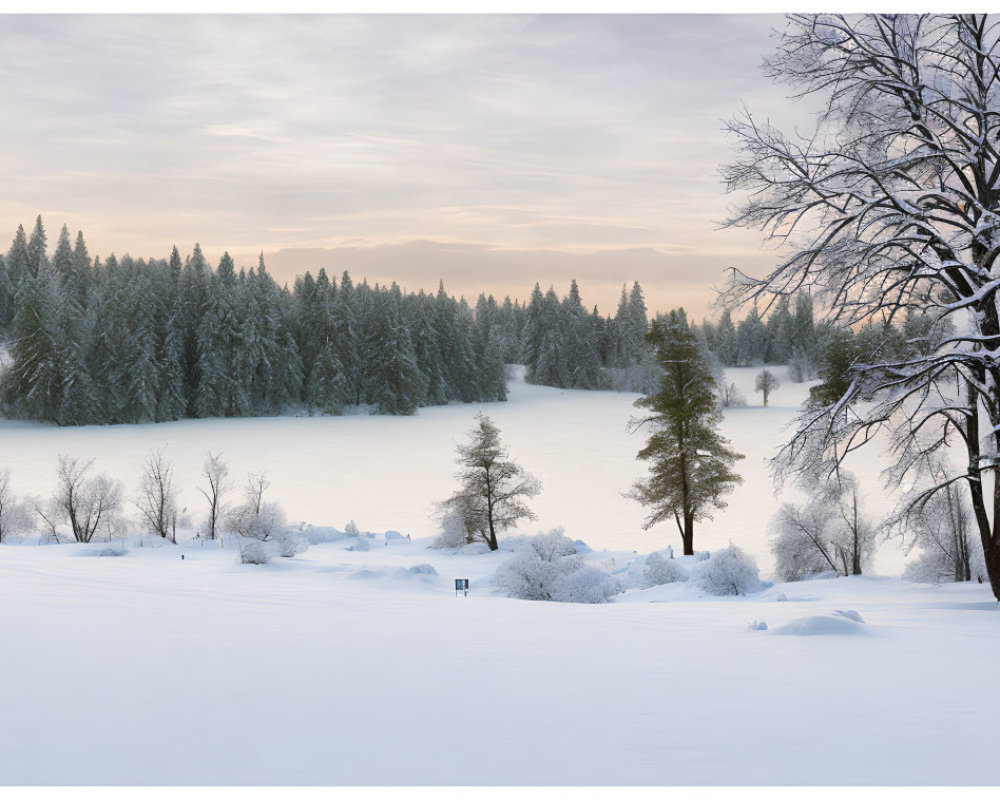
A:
{"x": 365, "y": 575}
{"x": 821, "y": 626}
{"x": 423, "y": 569}
{"x": 109, "y": 551}
{"x": 319, "y": 534}
{"x": 851, "y": 614}
{"x": 403, "y": 574}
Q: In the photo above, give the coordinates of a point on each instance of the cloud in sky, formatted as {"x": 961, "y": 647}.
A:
{"x": 545, "y": 141}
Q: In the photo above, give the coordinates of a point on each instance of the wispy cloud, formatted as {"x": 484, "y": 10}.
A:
{"x": 568, "y": 134}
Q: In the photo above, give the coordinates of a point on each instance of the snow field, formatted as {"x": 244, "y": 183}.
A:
{"x": 349, "y": 668}
{"x": 149, "y": 669}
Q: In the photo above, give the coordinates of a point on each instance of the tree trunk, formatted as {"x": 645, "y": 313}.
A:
{"x": 687, "y": 537}
{"x": 991, "y": 553}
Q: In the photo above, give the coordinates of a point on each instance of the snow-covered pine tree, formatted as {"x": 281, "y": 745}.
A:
{"x": 37, "y": 254}
{"x": 140, "y": 367}
{"x": 33, "y": 383}
{"x": 6, "y": 297}
{"x": 346, "y": 335}
{"x": 18, "y": 265}
{"x": 583, "y": 361}
{"x": 195, "y": 282}
{"x": 398, "y": 385}
{"x": 328, "y": 389}
{"x": 427, "y": 344}
{"x": 221, "y": 388}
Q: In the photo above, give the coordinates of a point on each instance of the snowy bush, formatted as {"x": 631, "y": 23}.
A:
{"x": 351, "y": 529}
{"x": 547, "y": 567}
{"x": 291, "y": 543}
{"x": 453, "y": 531}
{"x": 586, "y": 585}
{"x": 553, "y": 546}
{"x": 526, "y": 576}
{"x": 659, "y": 570}
{"x": 260, "y": 526}
{"x": 728, "y": 571}
{"x": 360, "y": 544}
{"x": 730, "y": 396}
{"x": 16, "y": 517}
{"x": 254, "y": 551}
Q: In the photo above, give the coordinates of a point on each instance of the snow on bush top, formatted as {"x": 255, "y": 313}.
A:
{"x": 547, "y": 567}
{"x": 730, "y": 571}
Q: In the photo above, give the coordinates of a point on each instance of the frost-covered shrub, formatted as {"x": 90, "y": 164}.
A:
{"x": 360, "y": 544}
{"x": 453, "y": 531}
{"x": 291, "y": 543}
{"x": 351, "y": 529}
{"x": 547, "y": 567}
{"x": 526, "y": 576}
{"x": 586, "y": 585}
{"x": 728, "y": 571}
{"x": 553, "y": 546}
{"x": 730, "y": 396}
{"x": 16, "y": 516}
{"x": 659, "y": 570}
{"x": 254, "y": 551}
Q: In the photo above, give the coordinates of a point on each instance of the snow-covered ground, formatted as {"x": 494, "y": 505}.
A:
{"x": 351, "y": 667}
{"x": 389, "y": 472}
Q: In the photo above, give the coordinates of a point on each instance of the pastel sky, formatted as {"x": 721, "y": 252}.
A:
{"x": 489, "y": 151}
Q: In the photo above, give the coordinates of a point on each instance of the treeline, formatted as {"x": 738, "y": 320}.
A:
{"x": 131, "y": 340}
{"x": 789, "y": 335}
{"x": 561, "y": 344}
{"x": 817, "y": 349}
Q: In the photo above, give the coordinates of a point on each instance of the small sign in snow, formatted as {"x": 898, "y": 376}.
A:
{"x": 462, "y": 585}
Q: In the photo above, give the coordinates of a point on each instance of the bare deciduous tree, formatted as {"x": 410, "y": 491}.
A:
{"x": 890, "y": 205}
{"x": 940, "y": 524}
{"x": 216, "y": 473}
{"x": 157, "y": 500}
{"x": 15, "y": 517}
{"x": 256, "y": 518}
{"x": 87, "y": 504}
{"x": 830, "y": 532}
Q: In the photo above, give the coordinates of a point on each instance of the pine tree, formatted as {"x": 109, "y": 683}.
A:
{"x": 328, "y": 389}
{"x": 6, "y": 297}
{"x": 18, "y": 260}
{"x": 33, "y": 383}
{"x": 398, "y": 385}
{"x": 690, "y": 462}
{"x": 725, "y": 337}
{"x": 37, "y": 256}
